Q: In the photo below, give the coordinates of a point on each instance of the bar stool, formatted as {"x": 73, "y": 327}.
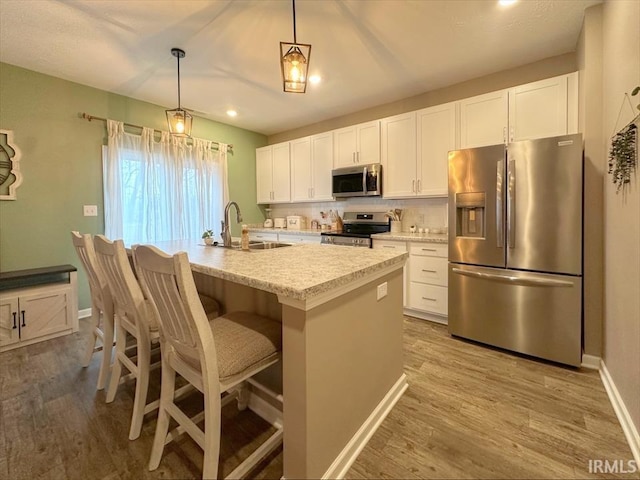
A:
{"x": 101, "y": 306}
{"x": 215, "y": 355}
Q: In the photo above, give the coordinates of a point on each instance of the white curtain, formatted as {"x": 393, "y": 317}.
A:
{"x": 167, "y": 190}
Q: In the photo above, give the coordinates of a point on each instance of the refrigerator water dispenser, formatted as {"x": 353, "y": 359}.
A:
{"x": 470, "y": 209}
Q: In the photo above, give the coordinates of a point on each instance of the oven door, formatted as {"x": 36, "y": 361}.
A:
{"x": 358, "y": 181}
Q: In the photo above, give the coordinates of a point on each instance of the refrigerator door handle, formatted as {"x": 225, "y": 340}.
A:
{"x": 513, "y": 280}
{"x": 511, "y": 204}
{"x": 499, "y": 206}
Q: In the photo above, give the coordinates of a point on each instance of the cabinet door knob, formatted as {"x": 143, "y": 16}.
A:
{"x": 23, "y": 324}
{"x": 14, "y": 320}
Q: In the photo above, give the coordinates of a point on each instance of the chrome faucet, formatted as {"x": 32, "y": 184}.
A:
{"x": 226, "y": 234}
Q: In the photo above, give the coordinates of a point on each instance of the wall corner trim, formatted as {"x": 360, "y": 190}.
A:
{"x": 629, "y": 429}
{"x": 591, "y": 362}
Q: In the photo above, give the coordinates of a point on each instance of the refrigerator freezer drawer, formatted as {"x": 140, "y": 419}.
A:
{"x": 531, "y": 313}
{"x": 428, "y": 298}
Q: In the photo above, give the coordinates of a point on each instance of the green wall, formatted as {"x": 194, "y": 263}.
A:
{"x": 62, "y": 167}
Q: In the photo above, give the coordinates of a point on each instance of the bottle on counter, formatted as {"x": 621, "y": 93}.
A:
{"x": 244, "y": 240}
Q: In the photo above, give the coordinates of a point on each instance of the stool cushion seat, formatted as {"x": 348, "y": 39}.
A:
{"x": 242, "y": 340}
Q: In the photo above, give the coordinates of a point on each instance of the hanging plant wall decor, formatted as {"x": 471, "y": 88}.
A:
{"x": 623, "y": 154}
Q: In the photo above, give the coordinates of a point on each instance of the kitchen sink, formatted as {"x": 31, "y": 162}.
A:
{"x": 267, "y": 245}
{"x": 258, "y": 245}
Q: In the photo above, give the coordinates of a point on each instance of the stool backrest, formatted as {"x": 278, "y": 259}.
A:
{"x": 97, "y": 282}
{"x": 126, "y": 292}
{"x": 168, "y": 282}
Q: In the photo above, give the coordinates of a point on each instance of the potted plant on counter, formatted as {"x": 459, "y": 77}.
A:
{"x": 207, "y": 236}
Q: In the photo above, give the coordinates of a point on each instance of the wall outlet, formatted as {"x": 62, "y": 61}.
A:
{"x": 382, "y": 290}
{"x": 90, "y": 210}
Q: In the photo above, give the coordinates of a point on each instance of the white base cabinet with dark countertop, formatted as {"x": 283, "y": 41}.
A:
{"x": 425, "y": 274}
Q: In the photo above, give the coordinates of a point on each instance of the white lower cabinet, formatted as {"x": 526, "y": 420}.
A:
{"x": 263, "y": 237}
{"x": 33, "y": 314}
{"x": 425, "y": 278}
{"x": 428, "y": 279}
{"x": 298, "y": 238}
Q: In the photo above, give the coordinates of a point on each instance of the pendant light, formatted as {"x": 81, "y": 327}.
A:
{"x": 294, "y": 62}
{"x": 179, "y": 120}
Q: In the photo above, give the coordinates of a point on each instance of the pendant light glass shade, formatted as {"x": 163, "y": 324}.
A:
{"x": 180, "y": 121}
{"x": 294, "y": 62}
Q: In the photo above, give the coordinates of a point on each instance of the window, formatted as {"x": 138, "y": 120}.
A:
{"x": 166, "y": 190}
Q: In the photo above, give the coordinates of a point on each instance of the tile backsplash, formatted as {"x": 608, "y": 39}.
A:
{"x": 424, "y": 212}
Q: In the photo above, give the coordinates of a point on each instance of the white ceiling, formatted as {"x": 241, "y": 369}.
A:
{"x": 368, "y": 52}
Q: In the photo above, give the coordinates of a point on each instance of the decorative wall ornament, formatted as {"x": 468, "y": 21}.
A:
{"x": 10, "y": 176}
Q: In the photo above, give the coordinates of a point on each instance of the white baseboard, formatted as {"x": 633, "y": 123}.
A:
{"x": 84, "y": 313}
{"x": 629, "y": 429}
{"x": 591, "y": 362}
{"x": 350, "y": 452}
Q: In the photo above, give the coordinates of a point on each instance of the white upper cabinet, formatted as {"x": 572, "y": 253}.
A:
{"x": 311, "y": 164}
{"x": 415, "y": 152}
{"x": 543, "y": 109}
{"x": 535, "y": 110}
{"x": 273, "y": 174}
{"x": 398, "y": 148}
{"x": 483, "y": 119}
{"x": 436, "y": 127}
{"x": 321, "y": 166}
{"x": 358, "y": 144}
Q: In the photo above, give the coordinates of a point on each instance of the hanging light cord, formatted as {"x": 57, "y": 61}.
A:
{"x": 294, "y": 21}
{"x": 178, "y": 59}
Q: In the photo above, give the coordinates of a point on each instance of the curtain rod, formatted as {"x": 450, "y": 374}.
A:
{"x": 88, "y": 117}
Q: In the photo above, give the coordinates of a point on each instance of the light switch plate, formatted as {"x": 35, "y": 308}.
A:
{"x": 382, "y": 290}
{"x": 90, "y": 210}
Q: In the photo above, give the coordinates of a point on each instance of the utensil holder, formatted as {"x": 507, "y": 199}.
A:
{"x": 396, "y": 226}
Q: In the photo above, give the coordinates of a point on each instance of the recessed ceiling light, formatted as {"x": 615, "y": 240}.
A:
{"x": 232, "y": 113}
{"x": 315, "y": 78}
{"x": 506, "y": 3}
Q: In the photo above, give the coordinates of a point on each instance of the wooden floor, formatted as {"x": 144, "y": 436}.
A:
{"x": 469, "y": 412}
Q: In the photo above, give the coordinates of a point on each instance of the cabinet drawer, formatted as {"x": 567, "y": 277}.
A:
{"x": 429, "y": 249}
{"x": 428, "y": 298}
{"x": 264, "y": 237}
{"x": 292, "y": 238}
{"x": 390, "y": 245}
{"x": 431, "y": 270}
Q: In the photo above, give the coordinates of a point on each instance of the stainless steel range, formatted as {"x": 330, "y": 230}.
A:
{"x": 357, "y": 229}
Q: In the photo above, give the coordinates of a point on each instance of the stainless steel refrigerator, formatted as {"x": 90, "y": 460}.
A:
{"x": 515, "y": 246}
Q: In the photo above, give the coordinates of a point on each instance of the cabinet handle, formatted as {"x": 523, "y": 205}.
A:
{"x": 511, "y": 134}
{"x": 23, "y": 324}
{"x": 388, "y": 246}
{"x": 14, "y": 320}
{"x": 313, "y": 192}
{"x": 413, "y": 185}
{"x": 357, "y": 157}
{"x": 430, "y": 299}
{"x": 504, "y": 134}
{"x": 419, "y": 189}
{"x": 353, "y": 157}
{"x": 429, "y": 271}
{"x": 429, "y": 250}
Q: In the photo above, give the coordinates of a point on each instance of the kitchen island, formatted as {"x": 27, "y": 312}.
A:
{"x": 341, "y": 314}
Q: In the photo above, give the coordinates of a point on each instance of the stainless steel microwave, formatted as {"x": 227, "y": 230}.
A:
{"x": 360, "y": 181}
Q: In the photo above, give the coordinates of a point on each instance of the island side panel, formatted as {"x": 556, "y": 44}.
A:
{"x": 340, "y": 360}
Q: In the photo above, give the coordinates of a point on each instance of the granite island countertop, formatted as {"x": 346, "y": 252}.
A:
{"x": 413, "y": 237}
{"x": 298, "y": 272}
